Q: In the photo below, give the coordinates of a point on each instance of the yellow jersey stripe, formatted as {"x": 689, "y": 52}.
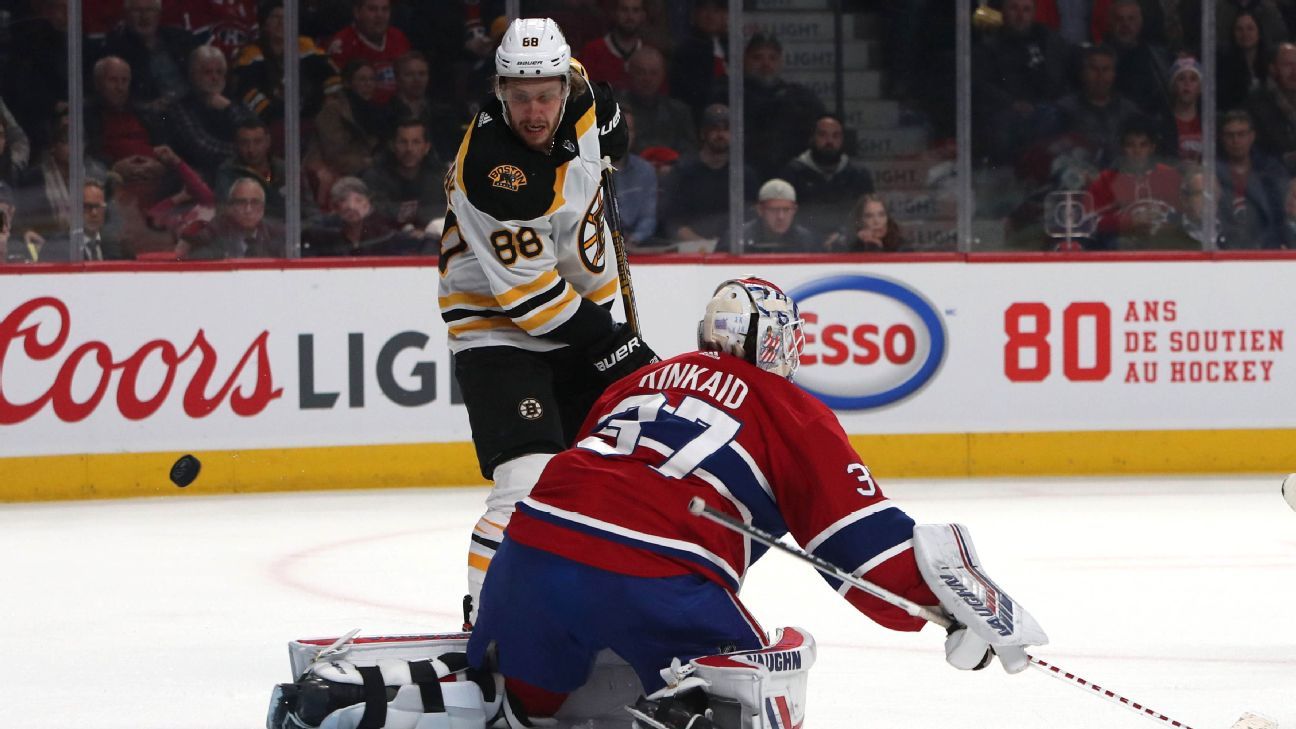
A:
{"x": 479, "y": 324}
{"x": 560, "y": 179}
{"x": 517, "y": 293}
{"x": 584, "y": 123}
{"x": 459, "y": 156}
{"x": 605, "y": 292}
{"x": 466, "y": 297}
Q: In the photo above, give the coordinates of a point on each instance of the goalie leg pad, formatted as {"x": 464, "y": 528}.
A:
{"x": 439, "y": 693}
{"x": 755, "y": 689}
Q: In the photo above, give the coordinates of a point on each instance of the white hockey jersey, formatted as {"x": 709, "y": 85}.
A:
{"x": 525, "y": 239}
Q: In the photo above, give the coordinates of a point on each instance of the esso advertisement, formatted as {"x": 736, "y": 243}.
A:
{"x": 869, "y": 341}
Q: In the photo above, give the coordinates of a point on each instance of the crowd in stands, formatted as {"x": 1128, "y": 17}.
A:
{"x": 1091, "y": 100}
{"x": 184, "y": 125}
{"x": 1098, "y": 105}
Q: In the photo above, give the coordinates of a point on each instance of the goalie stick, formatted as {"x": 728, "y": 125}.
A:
{"x": 698, "y": 507}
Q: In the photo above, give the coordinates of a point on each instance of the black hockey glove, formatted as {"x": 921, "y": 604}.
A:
{"x": 621, "y": 353}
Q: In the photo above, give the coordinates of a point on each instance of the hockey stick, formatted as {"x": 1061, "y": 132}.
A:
{"x": 612, "y": 213}
{"x": 698, "y": 507}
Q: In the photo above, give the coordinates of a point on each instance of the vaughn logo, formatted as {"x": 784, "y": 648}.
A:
{"x": 869, "y": 341}
{"x": 40, "y": 368}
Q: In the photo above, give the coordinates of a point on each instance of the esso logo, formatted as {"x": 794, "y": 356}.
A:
{"x": 869, "y": 341}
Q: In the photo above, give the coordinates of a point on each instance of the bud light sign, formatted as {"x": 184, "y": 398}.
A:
{"x": 869, "y": 341}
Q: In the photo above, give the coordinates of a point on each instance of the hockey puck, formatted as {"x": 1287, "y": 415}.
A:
{"x": 1289, "y": 490}
{"x": 185, "y": 470}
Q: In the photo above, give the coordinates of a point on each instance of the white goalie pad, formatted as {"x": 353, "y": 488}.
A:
{"x": 767, "y": 687}
{"x": 949, "y": 564}
{"x": 612, "y": 683}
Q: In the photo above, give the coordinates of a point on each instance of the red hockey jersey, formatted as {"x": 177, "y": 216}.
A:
{"x": 349, "y": 45}
{"x": 752, "y": 445}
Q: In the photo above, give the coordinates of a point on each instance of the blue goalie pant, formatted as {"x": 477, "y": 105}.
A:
{"x": 549, "y": 616}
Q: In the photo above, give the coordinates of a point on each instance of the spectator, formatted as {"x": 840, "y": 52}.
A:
{"x": 775, "y": 229}
{"x": 1186, "y": 227}
{"x": 160, "y": 197}
{"x": 157, "y": 55}
{"x": 1266, "y": 12}
{"x": 228, "y": 25}
{"x": 252, "y": 160}
{"x": 1097, "y": 112}
{"x": 44, "y": 198}
{"x": 606, "y": 58}
{"x": 372, "y": 39}
{"x": 1243, "y": 66}
{"x": 1142, "y": 69}
{"x": 1253, "y": 186}
{"x": 406, "y": 182}
{"x": 662, "y": 121}
{"x": 1181, "y": 137}
{"x": 206, "y": 119}
{"x": 324, "y": 18}
{"x": 779, "y": 113}
{"x": 114, "y": 130}
{"x": 349, "y": 127}
{"x": 1289, "y": 216}
{"x": 259, "y": 74}
{"x": 1273, "y": 108}
{"x": 239, "y": 230}
{"x": 1017, "y": 73}
{"x": 697, "y": 197}
{"x": 36, "y": 69}
{"x": 1158, "y": 17}
{"x": 412, "y": 101}
{"x": 99, "y": 244}
{"x": 354, "y": 228}
{"x": 16, "y": 147}
{"x": 15, "y": 150}
{"x": 1070, "y": 18}
{"x": 699, "y": 66}
{"x": 636, "y": 190}
{"x": 16, "y": 250}
{"x": 475, "y": 71}
{"x": 826, "y": 179}
{"x": 1134, "y": 199}
{"x": 870, "y": 229}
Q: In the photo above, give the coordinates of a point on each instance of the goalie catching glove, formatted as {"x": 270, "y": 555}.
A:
{"x": 987, "y": 622}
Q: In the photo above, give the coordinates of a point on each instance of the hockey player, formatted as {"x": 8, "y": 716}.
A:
{"x": 602, "y": 554}
{"x": 526, "y": 279}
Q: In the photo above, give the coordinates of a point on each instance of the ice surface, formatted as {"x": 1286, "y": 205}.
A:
{"x": 175, "y": 612}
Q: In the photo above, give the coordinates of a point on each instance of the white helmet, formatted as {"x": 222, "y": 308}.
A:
{"x": 752, "y": 319}
{"x": 533, "y": 48}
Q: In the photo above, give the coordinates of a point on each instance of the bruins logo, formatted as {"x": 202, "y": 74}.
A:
{"x": 593, "y": 246}
{"x": 508, "y": 177}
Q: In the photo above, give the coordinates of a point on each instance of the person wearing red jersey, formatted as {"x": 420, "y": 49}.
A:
{"x": 371, "y": 38}
{"x": 1134, "y": 198}
{"x": 602, "y": 553}
{"x": 606, "y": 58}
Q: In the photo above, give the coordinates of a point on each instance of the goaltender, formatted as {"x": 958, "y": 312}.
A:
{"x": 527, "y": 283}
